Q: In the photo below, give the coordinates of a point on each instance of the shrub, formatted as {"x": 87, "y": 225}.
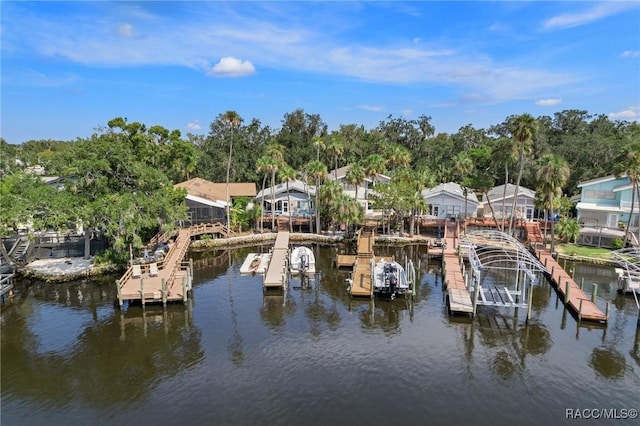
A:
{"x": 617, "y": 243}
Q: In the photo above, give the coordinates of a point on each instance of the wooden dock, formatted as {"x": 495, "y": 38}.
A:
{"x": 362, "y": 275}
{"x": 172, "y": 282}
{"x": 572, "y": 295}
{"x": 458, "y": 297}
{"x": 276, "y": 276}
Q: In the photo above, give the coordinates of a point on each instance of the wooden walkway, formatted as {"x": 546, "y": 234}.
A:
{"x": 362, "y": 276}
{"x": 171, "y": 283}
{"x": 572, "y": 295}
{"x": 276, "y": 276}
{"x": 458, "y": 297}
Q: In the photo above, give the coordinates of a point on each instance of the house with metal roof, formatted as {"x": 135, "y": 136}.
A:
{"x": 362, "y": 192}
{"x": 450, "y": 200}
{"x": 501, "y": 198}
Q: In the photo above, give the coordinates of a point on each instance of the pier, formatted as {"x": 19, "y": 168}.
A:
{"x": 362, "y": 275}
{"x": 572, "y": 294}
{"x": 168, "y": 280}
{"x": 276, "y": 276}
{"x": 458, "y": 298}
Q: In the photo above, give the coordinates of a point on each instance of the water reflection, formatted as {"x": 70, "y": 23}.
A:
{"x": 114, "y": 358}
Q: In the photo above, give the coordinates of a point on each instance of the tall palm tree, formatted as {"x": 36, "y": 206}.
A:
{"x": 552, "y": 176}
{"x": 335, "y": 149}
{"x": 275, "y": 152}
{"x": 396, "y": 155}
{"x": 317, "y": 171}
{"x": 462, "y": 168}
{"x": 263, "y": 167}
{"x": 318, "y": 142}
{"x": 629, "y": 164}
{"x": 355, "y": 176}
{"x": 505, "y": 153}
{"x": 523, "y": 129}
{"x": 374, "y": 164}
{"x": 287, "y": 174}
{"x": 232, "y": 120}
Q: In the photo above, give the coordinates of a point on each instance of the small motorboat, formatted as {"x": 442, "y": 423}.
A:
{"x": 390, "y": 279}
{"x": 302, "y": 261}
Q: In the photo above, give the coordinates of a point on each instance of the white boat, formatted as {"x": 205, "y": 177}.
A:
{"x": 390, "y": 279}
{"x": 302, "y": 261}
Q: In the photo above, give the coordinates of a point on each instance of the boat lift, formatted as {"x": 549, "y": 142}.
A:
{"x": 628, "y": 260}
{"x": 491, "y": 251}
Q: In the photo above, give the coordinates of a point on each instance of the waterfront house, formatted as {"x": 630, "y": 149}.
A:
{"x": 502, "y": 202}
{"x": 298, "y": 202}
{"x": 206, "y": 201}
{"x": 448, "y": 200}
{"x": 363, "y": 191}
{"x": 604, "y": 209}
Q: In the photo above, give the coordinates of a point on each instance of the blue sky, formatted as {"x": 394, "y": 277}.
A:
{"x": 69, "y": 67}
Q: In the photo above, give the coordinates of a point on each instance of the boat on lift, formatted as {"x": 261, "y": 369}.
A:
{"x": 390, "y": 279}
{"x": 302, "y": 261}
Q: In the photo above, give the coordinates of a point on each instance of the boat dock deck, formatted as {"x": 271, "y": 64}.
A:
{"x": 458, "y": 297}
{"x": 171, "y": 283}
{"x": 276, "y": 276}
{"x": 362, "y": 276}
{"x": 571, "y": 293}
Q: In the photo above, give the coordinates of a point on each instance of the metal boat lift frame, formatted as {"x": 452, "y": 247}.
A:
{"x": 628, "y": 260}
{"x": 490, "y": 250}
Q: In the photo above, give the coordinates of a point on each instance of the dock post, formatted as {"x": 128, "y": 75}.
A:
{"x": 142, "y": 291}
{"x": 566, "y": 292}
{"x": 530, "y": 302}
{"x": 607, "y": 311}
{"x": 582, "y": 283}
{"x": 594, "y": 293}
{"x": 552, "y": 270}
{"x": 164, "y": 293}
{"x": 119, "y": 290}
{"x": 580, "y": 311}
{"x": 191, "y": 267}
{"x": 184, "y": 290}
{"x": 476, "y": 292}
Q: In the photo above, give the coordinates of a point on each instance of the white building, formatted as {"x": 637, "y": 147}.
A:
{"x": 448, "y": 200}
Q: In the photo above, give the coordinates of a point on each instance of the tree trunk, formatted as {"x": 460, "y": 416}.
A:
{"x": 87, "y": 243}
{"x": 289, "y": 203}
{"x": 273, "y": 200}
{"x": 317, "y": 208}
{"x": 504, "y": 195}
{"x": 633, "y": 202}
{"x": 228, "y": 201}
{"x": 493, "y": 214}
{"x": 553, "y": 238}
{"x": 545, "y": 229}
{"x": 515, "y": 194}
{"x": 264, "y": 181}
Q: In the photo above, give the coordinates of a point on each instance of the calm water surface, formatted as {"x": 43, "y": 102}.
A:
{"x": 313, "y": 356}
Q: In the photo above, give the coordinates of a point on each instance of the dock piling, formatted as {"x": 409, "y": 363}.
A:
{"x": 164, "y": 293}
{"x": 594, "y": 293}
{"x": 566, "y": 292}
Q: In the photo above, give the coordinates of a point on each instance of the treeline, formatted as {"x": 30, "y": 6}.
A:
{"x": 122, "y": 175}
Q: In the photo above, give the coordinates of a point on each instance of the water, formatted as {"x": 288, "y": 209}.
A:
{"x": 235, "y": 356}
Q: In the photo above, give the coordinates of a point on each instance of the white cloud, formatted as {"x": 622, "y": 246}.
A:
{"x": 549, "y": 102}
{"x": 193, "y": 125}
{"x": 125, "y": 30}
{"x": 630, "y": 54}
{"x": 595, "y": 13}
{"x": 231, "y": 67}
{"x": 630, "y": 114}
{"x": 373, "y": 108}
